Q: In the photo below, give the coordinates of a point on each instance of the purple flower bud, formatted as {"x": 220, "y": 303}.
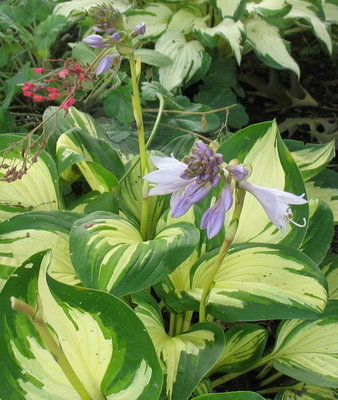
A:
{"x": 239, "y": 171}
{"x": 213, "y": 218}
{"x": 95, "y": 41}
{"x": 115, "y": 37}
{"x": 106, "y": 63}
{"x": 97, "y": 29}
{"x": 140, "y": 28}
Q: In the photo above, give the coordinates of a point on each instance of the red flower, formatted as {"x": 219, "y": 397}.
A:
{"x": 63, "y": 73}
{"x": 26, "y": 93}
{"x": 39, "y": 70}
{"x": 52, "y": 89}
{"x": 68, "y": 103}
{"x": 38, "y": 98}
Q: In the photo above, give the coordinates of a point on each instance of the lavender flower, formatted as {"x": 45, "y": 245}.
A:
{"x": 106, "y": 63}
{"x": 115, "y": 37}
{"x": 213, "y": 218}
{"x": 140, "y": 28}
{"x": 275, "y": 203}
{"x": 188, "y": 182}
{"x": 95, "y": 41}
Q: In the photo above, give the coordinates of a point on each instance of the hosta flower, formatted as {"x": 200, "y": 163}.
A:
{"x": 95, "y": 41}
{"x": 213, "y": 218}
{"x": 276, "y": 203}
{"x": 106, "y": 63}
{"x": 188, "y": 182}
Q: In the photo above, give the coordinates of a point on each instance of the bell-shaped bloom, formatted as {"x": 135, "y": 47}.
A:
{"x": 276, "y": 203}
{"x": 95, "y": 41}
{"x": 213, "y": 218}
{"x": 185, "y": 191}
{"x": 106, "y": 63}
{"x": 183, "y": 200}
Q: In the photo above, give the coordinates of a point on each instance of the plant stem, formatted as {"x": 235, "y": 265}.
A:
{"x": 51, "y": 345}
{"x": 264, "y": 371}
{"x": 137, "y": 109}
{"x": 271, "y": 379}
{"x": 229, "y": 237}
{"x": 278, "y": 389}
{"x": 172, "y": 324}
{"x": 187, "y": 320}
{"x": 179, "y": 324}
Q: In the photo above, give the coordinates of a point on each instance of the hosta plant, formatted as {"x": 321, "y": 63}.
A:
{"x": 195, "y": 270}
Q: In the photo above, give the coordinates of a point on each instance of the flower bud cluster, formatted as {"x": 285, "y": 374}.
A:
{"x": 109, "y": 22}
{"x": 204, "y": 164}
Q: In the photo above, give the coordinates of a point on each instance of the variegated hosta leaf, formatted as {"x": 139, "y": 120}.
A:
{"x": 55, "y": 124}
{"x": 303, "y": 391}
{"x": 95, "y": 201}
{"x": 331, "y": 11}
{"x": 189, "y": 60}
{"x": 186, "y": 357}
{"x": 308, "y": 351}
{"x": 108, "y": 253}
{"x": 80, "y": 341}
{"x": 272, "y": 166}
{"x": 325, "y": 187}
{"x": 320, "y": 231}
{"x": 156, "y": 17}
{"x": 184, "y": 19}
{"x": 97, "y": 160}
{"x": 230, "y": 396}
{"x": 76, "y": 6}
{"x": 244, "y": 345}
{"x": 38, "y": 189}
{"x": 312, "y": 13}
{"x": 24, "y": 235}
{"x": 132, "y": 192}
{"x": 229, "y": 29}
{"x": 231, "y": 8}
{"x": 311, "y": 158}
{"x": 268, "y": 8}
{"x": 330, "y": 269}
{"x": 269, "y": 45}
{"x": 256, "y": 282}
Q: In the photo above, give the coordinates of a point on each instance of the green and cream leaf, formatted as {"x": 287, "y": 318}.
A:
{"x": 109, "y": 254}
{"x": 228, "y": 29}
{"x": 231, "y": 8}
{"x": 103, "y": 350}
{"x": 255, "y": 282}
{"x": 303, "y": 391}
{"x": 156, "y": 17}
{"x": 244, "y": 346}
{"x": 269, "y": 45}
{"x": 302, "y": 9}
{"x": 311, "y": 158}
{"x": 38, "y": 189}
{"x": 189, "y": 59}
{"x": 324, "y": 186}
{"x": 95, "y": 158}
{"x": 26, "y": 234}
{"x": 308, "y": 351}
{"x": 79, "y": 6}
{"x": 186, "y": 357}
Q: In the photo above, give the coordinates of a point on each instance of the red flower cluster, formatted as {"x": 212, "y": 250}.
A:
{"x": 40, "y": 92}
{"x": 69, "y": 79}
